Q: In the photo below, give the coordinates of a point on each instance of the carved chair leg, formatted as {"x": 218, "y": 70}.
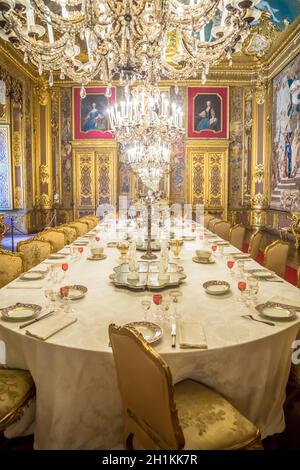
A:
{"x": 128, "y": 441}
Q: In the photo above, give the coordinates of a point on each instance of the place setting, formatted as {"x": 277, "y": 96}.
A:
{"x": 97, "y": 254}
{"x": 204, "y": 257}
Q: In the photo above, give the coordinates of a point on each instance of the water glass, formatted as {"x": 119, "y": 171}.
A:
{"x": 253, "y": 286}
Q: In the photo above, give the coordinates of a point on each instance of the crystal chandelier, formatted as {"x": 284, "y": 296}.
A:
{"x": 125, "y": 39}
{"x": 149, "y": 162}
{"x": 146, "y": 115}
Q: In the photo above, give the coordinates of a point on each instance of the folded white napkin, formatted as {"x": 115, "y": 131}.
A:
{"x": 191, "y": 335}
{"x": 43, "y": 329}
{"x": 287, "y": 301}
{"x": 24, "y": 286}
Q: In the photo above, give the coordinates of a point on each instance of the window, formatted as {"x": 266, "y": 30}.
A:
{"x": 5, "y": 169}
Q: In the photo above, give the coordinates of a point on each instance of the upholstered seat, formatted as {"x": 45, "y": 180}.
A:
{"x": 16, "y": 389}
{"x": 237, "y": 236}
{"x": 55, "y": 237}
{"x": 222, "y": 229}
{"x": 34, "y": 252}
{"x": 203, "y": 419}
{"x": 212, "y": 223}
{"x": 94, "y": 218}
{"x": 275, "y": 257}
{"x": 11, "y": 266}
{"x": 254, "y": 245}
{"x": 207, "y": 218}
{"x": 69, "y": 232}
{"x": 208, "y": 421}
{"x": 80, "y": 227}
{"x": 88, "y": 221}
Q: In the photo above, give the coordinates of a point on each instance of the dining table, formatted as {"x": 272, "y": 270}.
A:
{"x": 78, "y": 404}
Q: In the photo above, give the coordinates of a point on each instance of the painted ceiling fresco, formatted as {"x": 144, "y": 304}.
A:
{"x": 281, "y": 10}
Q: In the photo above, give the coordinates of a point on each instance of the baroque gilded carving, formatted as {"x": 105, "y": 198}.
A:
{"x": 259, "y": 200}
{"x": 259, "y": 173}
{"x": 261, "y": 37}
{"x": 13, "y": 86}
{"x": 44, "y": 174}
{"x": 44, "y": 201}
{"x": 42, "y": 92}
{"x": 16, "y": 148}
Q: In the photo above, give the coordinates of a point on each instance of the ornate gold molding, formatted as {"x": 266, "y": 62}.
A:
{"x": 44, "y": 174}
{"x": 259, "y": 173}
{"x": 42, "y": 92}
{"x": 13, "y": 86}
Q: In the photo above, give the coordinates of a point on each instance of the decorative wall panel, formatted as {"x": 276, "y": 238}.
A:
{"x": 66, "y": 147}
{"x": 28, "y": 149}
{"x": 236, "y": 148}
{"x": 177, "y": 179}
{"x": 6, "y": 202}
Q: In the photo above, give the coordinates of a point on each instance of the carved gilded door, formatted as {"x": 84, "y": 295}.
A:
{"x": 95, "y": 179}
{"x": 207, "y": 177}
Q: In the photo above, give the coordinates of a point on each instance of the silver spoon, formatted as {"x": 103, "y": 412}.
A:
{"x": 250, "y": 317}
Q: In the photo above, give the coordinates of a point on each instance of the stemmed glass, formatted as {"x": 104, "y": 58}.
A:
{"x": 64, "y": 267}
{"x": 242, "y": 286}
{"x": 157, "y": 300}
{"x": 230, "y": 264}
{"x": 146, "y": 304}
{"x": 176, "y": 296}
{"x": 65, "y": 299}
{"x": 165, "y": 306}
{"x": 51, "y": 296}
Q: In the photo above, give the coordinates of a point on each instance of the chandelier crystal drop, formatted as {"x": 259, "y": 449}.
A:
{"x": 126, "y": 40}
{"x": 146, "y": 115}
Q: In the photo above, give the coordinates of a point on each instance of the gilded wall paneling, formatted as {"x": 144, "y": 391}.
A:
{"x": 55, "y": 134}
{"x": 17, "y": 156}
{"x": 236, "y": 148}
{"x": 66, "y": 190}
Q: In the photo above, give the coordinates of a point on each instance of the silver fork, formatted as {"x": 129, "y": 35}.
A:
{"x": 250, "y": 317}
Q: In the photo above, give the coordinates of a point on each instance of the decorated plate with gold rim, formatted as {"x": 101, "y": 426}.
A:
{"x": 216, "y": 287}
{"x": 150, "y": 331}
{"x": 276, "y": 311}
{"x": 20, "y": 312}
{"x": 97, "y": 257}
{"x": 75, "y": 292}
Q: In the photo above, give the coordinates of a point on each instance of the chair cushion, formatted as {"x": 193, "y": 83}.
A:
{"x": 208, "y": 421}
{"x": 15, "y": 385}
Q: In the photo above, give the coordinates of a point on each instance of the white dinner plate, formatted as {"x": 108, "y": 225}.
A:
{"x": 276, "y": 311}
{"x": 32, "y": 276}
{"x": 262, "y": 274}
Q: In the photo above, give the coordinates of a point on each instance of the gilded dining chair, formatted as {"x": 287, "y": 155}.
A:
{"x": 80, "y": 227}
{"x": 298, "y": 277}
{"x": 254, "y": 245}
{"x": 207, "y": 218}
{"x": 275, "y": 257}
{"x": 16, "y": 391}
{"x": 222, "y": 229}
{"x": 69, "y": 232}
{"x": 87, "y": 221}
{"x": 161, "y": 416}
{"x": 237, "y": 236}
{"x": 54, "y": 236}
{"x": 11, "y": 266}
{"x": 34, "y": 252}
{"x": 212, "y": 223}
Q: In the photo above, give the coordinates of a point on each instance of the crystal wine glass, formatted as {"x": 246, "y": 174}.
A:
{"x": 242, "y": 286}
{"x": 146, "y": 304}
{"x": 157, "y": 300}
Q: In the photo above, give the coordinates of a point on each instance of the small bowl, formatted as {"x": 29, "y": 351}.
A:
{"x": 203, "y": 254}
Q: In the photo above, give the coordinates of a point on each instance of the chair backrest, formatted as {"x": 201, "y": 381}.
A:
{"x": 207, "y": 218}
{"x": 255, "y": 242}
{"x": 222, "y": 229}
{"x": 34, "y": 252}
{"x": 212, "y": 223}
{"x": 69, "y": 232}
{"x": 146, "y": 388}
{"x": 11, "y": 266}
{"x": 80, "y": 227}
{"x": 237, "y": 236}
{"x": 275, "y": 257}
{"x": 88, "y": 221}
{"x": 298, "y": 277}
{"x": 55, "y": 237}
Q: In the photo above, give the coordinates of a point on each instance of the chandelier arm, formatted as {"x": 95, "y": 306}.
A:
{"x": 57, "y": 21}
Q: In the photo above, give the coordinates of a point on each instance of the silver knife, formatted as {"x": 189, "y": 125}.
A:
{"x": 173, "y": 334}
{"x": 36, "y": 319}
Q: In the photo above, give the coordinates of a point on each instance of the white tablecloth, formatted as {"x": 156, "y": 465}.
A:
{"x": 78, "y": 402}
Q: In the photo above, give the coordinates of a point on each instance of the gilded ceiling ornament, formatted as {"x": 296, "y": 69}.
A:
{"x": 13, "y": 86}
{"x": 261, "y": 37}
